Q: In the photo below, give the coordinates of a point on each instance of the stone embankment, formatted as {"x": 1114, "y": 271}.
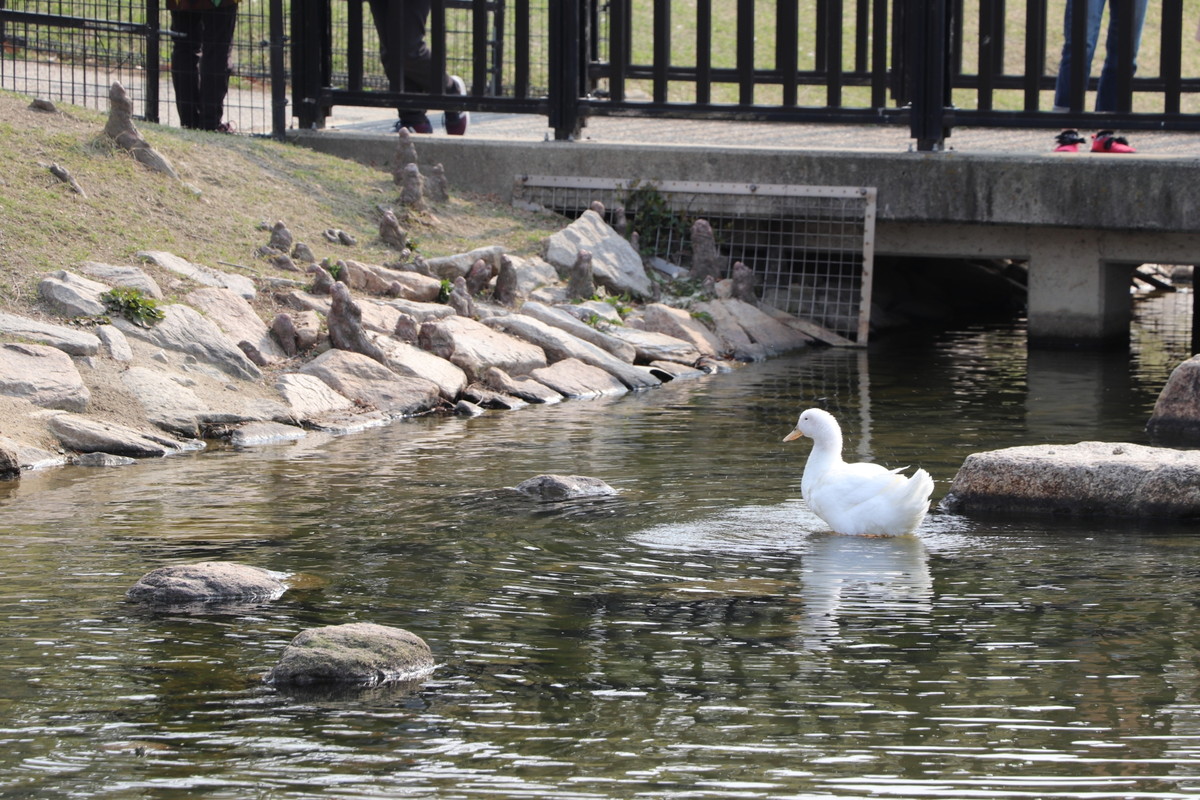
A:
{"x": 358, "y": 345}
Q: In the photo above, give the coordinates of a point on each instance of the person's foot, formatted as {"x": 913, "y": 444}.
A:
{"x": 1068, "y": 141}
{"x": 456, "y": 122}
{"x": 1105, "y": 142}
{"x": 422, "y": 125}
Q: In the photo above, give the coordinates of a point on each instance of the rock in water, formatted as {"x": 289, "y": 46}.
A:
{"x": 565, "y": 487}
{"x": 206, "y": 582}
{"x": 360, "y": 652}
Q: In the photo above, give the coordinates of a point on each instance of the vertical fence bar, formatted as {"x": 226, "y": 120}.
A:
{"x": 820, "y": 24}
{"x": 354, "y": 45}
{"x": 1123, "y": 16}
{"x": 564, "y": 77}
{"x": 618, "y": 48}
{"x": 480, "y": 40}
{"x": 278, "y": 70}
{"x": 833, "y": 54}
{"x": 1172, "y": 62}
{"x": 926, "y": 54}
{"x": 703, "y": 51}
{"x": 787, "y": 47}
{"x": 879, "y": 53}
{"x": 521, "y": 42}
{"x": 745, "y": 51}
{"x": 437, "y": 42}
{"x": 986, "y": 61}
{"x": 1078, "y": 74}
{"x": 1035, "y": 52}
{"x": 662, "y": 48}
{"x": 862, "y": 22}
{"x": 153, "y": 60}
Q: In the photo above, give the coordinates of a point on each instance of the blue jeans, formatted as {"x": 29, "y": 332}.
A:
{"x": 1106, "y": 97}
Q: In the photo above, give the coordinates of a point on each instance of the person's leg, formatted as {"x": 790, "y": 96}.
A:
{"x": 1062, "y": 84}
{"x": 185, "y": 66}
{"x": 215, "y": 65}
{"x": 1106, "y": 96}
{"x": 418, "y": 65}
{"x": 392, "y": 23}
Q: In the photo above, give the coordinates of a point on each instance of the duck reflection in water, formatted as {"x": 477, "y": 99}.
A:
{"x": 862, "y": 583}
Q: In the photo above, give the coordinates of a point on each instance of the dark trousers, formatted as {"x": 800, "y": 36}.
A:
{"x": 402, "y": 49}
{"x": 200, "y": 64}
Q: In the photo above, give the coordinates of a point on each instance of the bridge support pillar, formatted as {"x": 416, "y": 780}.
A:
{"x": 1077, "y": 297}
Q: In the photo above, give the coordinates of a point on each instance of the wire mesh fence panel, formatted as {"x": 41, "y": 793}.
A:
{"x": 810, "y": 247}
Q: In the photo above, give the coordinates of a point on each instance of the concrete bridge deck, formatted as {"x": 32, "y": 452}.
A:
{"x": 1082, "y": 221}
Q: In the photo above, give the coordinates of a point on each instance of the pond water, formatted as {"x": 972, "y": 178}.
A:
{"x": 699, "y": 635}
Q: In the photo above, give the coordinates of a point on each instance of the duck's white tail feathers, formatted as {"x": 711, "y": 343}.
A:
{"x": 909, "y": 501}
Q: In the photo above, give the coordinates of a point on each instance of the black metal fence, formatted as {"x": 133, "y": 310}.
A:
{"x": 929, "y": 64}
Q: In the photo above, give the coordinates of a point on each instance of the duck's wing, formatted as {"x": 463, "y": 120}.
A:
{"x": 867, "y": 498}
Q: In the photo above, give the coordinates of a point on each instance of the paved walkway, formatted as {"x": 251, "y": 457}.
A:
{"x": 809, "y": 137}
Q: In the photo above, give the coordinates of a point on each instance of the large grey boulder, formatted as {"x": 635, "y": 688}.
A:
{"x": 166, "y": 399}
{"x": 70, "y": 340}
{"x": 237, "y": 319}
{"x": 459, "y": 264}
{"x": 474, "y": 347}
{"x": 532, "y": 273}
{"x": 1176, "y": 415}
{"x": 19, "y": 456}
{"x": 198, "y": 273}
{"x": 370, "y": 383}
{"x": 775, "y": 337}
{"x": 616, "y": 265}
{"x": 72, "y": 295}
{"x": 207, "y": 582}
{"x": 573, "y": 378}
{"x": 309, "y": 397}
{"x": 651, "y": 346}
{"x": 185, "y": 330}
{"x": 559, "y": 317}
{"x": 117, "y": 275}
{"x": 559, "y": 345}
{"x": 564, "y": 487}
{"x": 1089, "y": 478}
{"x": 45, "y": 376}
{"x": 522, "y": 387}
{"x": 360, "y": 653}
{"x": 254, "y": 434}
{"x": 405, "y": 359}
{"x": 87, "y": 435}
{"x": 679, "y": 324}
{"x": 735, "y": 342}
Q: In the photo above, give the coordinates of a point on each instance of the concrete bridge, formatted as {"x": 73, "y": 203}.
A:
{"x": 1081, "y": 221}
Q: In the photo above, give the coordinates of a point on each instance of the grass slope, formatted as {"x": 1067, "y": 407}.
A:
{"x": 230, "y": 186}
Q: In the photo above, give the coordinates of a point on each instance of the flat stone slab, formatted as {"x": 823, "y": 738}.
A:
{"x": 87, "y": 435}
{"x": 199, "y": 273}
{"x": 573, "y": 378}
{"x": 370, "y": 383}
{"x": 360, "y": 652}
{"x": 1088, "y": 478}
{"x": 254, "y": 434}
{"x": 206, "y": 582}
{"x": 70, "y": 340}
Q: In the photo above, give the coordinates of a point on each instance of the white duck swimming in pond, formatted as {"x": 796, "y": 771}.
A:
{"x": 862, "y": 498}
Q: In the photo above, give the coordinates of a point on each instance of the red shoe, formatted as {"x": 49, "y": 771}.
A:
{"x": 1068, "y": 141}
{"x": 1105, "y": 142}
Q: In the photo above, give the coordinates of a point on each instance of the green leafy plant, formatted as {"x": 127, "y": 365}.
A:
{"x": 622, "y": 303}
{"x": 133, "y": 305}
{"x": 444, "y": 292}
{"x": 654, "y": 219}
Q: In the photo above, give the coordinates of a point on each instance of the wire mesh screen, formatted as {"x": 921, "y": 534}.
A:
{"x": 811, "y": 248}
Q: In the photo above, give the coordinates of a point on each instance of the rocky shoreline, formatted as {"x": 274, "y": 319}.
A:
{"x": 359, "y": 345}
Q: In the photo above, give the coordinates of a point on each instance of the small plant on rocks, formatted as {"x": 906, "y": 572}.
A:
{"x": 133, "y": 305}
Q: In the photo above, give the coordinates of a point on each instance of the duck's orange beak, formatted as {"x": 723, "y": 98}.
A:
{"x": 796, "y": 434}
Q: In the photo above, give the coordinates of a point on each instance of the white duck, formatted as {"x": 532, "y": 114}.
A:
{"x": 862, "y": 498}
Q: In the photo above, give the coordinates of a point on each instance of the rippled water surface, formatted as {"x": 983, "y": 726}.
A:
{"x": 699, "y": 635}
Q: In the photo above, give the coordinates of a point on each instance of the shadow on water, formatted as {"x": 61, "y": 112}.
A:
{"x": 701, "y": 634}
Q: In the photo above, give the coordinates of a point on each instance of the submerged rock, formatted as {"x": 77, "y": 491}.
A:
{"x": 359, "y": 652}
{"x": 206, "y": 582}
{"x": 1176, "y": 415}
{"x": 565, "y": 487}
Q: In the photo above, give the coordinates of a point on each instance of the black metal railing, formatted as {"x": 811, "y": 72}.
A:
{"x": 925, "y": 64}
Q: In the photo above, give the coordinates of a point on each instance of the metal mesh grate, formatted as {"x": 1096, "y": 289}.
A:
{"x": 811, "y": 248}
